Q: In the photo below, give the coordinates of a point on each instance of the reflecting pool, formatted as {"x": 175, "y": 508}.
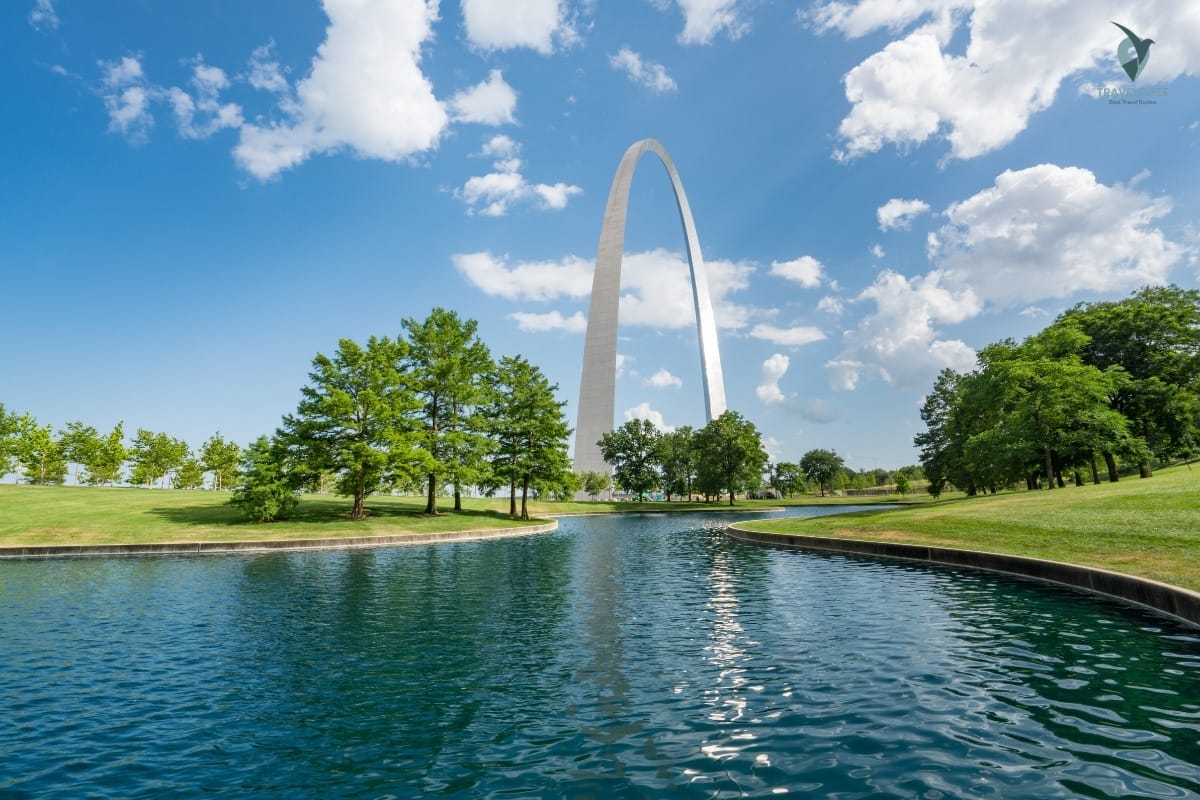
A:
{"x": 632, "y": 656}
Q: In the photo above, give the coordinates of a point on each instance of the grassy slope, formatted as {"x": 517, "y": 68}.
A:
{"x": 96, "y": 515}
{"x": 1148, "y": 527}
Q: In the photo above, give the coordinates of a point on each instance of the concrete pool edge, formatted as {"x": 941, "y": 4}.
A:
{"x": 1176, "y": 602}
{"x": 271, "y": 545}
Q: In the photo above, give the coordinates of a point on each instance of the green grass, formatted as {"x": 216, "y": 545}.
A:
{"x": 1149, "y": 528}
{"x": 65, "y": 515}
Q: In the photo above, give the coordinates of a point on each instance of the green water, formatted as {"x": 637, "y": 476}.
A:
{"x": 633, "y": 656}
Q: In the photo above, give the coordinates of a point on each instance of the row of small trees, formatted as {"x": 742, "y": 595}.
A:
{"x": 428, "y": 407}
{"x": 1110, "y": 381}
{"x": 39, "y": 455}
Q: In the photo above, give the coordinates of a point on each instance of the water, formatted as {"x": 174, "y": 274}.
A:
{"x": 639, "y": 656}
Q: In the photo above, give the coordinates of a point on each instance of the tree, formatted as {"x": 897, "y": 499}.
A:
{"x": 596, "y": 483}
{"x": 79, "y": 445}
{"x": 822, "y": 467}
{"x": 529, "y": 432}
{"x": 265, "y": 492}
{"x": 787, "y": 478}
{"x": 189, "y": 474}
{"x": 677, "y": 455}
{"x": 154, "y": 455}
{"x": 221, "y": 459}
{"x": 449, "y": 367}
{"x": 632, "y": 450}
{"x": 902, "y": 485}
{"x": 106, "y": 458}
{"x": 353, "y": 418}
{"x": 40, "y": 454}
{"x": 8, "y": 441}
{"x": 729, "y": 454}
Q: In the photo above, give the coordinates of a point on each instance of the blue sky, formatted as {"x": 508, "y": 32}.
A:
{"x": 198, "y": 198}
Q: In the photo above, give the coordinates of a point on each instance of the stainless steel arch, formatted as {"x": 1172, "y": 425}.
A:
{"x": 597, "y": 385}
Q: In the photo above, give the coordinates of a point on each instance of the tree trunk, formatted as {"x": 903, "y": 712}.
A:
{"x": 1078, "y": 478}
{"x": 1031, "y": 482}
{"x": 524, "y": 497}
{"x": 1111, "y": 463}
{"x": 730, "y": 495}
{"x": 1095, "y": 472}
{"x": 431, "y": 497}
{"x": 457, "y": 497}
{"x": 358, "y": 512}
{"x": 1049, "y": 468}
{"x": 512, "y": 498}
{"x": 1144, "y": 470}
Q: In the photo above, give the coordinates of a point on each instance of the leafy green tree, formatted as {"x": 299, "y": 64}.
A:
{"x": 787, "y": 478}
{"x": 678, "y": 457}
{"x": 189, "y": 474}
{"x": 570, "y": 484}
{"x": 265, "y": 492}
{"x": 153, "y": 456}
{"x": 729, "y": 454}
{"x": 822, "y": 467}
{"x": 40, "y": 454}
{"x": 354, "y": 418}
{"x": 902, "y": 484}
{"x": 596, "y": 483}
{"x": 79, "y": 444}
{"x": 632, "y": 450}
{"x": 221, "y": 458}
{"x": 449, "y": 369}
{"x": 9, "y": 427}
{"x": 529, "y": 432}
{"x": 107, "y": 456}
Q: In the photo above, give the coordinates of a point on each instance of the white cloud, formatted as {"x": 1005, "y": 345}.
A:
{"x": 530, "y": 280}
{"x": 877, "y": 250}
{"x": 622, "y": 360}
{"x": 491, "y": 102}
{"x": 643, "y": 411}
{"x": 494, "y": 193}
{"x": 794, "y": 337}
{"x": 365, "y": 92}
{"x": 1051, "y": 232}
{"x": 899, "y": 341}
{"x": 265, "y": 73}
{"x": 773, "y": 369}
{"x": 1015, "y": 58}
{"x": 1034, "y": 312}
{"x": 207, "y": 82}
{"x": 663, "y": 379}
{"x": 656, "y": 291}
{"x": 43, "y": 16}
{"x": 830, "y": 305}
{"x": 650, "y": 75}
{"x": 805, "y": 270}
{"x": 515, "y": 23}
{"x": 897, "y": 213}
{"x": 704, "y": 19}
{"x": 550, "y": 321}
{"x": 127, "y": 96}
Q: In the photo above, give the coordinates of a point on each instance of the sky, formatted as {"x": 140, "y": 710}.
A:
{"x": 197, "y": 198}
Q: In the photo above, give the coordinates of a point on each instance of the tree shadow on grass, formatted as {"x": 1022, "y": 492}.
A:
{"x": 312, "y": 510}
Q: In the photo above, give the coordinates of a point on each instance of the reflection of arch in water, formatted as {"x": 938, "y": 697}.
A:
{"x": 597, "y": 386}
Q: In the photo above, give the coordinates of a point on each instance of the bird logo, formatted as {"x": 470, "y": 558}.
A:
{"x": 1132, "y": 52}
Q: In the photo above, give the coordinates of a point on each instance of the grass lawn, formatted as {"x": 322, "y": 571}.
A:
{"x": 1149, "y": 528}
{"x": 65, "y": 515}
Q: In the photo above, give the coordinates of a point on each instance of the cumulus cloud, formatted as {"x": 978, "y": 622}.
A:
{"x": 493, "y": 194}
{"x": 897, "y": 213}
{"x": 830, "y": 305}
{"x": 364, "y": 93}
{"x": 805, "y": 270}
{"x": 648, "y": 74}
{"x": 773, "y": 369}
{"x": 1051, "y": 232}
{"x": 491, "y": 102}
{"x": 704, "y": 19}
{"x": 643, "y": 411}
{"x": 127, "y": 96}
{"x": 622, "y": 360}
{"x": 536, "y": 281}
{"x": 663, "y": 379}
{"x": 265, "y": 74}
{"x": 877, "y": 250}
{"x": 549, "y": 321}
{"x": 794, "y": 337}
{"x": 534, "y": 24}
{"x": 201, "y": 115}
{"x": 43, "y": 16}
{"x": 656, "y": 291}
{"x": 1015, "y": 58}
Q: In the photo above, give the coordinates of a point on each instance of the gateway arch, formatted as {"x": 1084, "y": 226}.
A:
{"x": 597, "y": 386}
